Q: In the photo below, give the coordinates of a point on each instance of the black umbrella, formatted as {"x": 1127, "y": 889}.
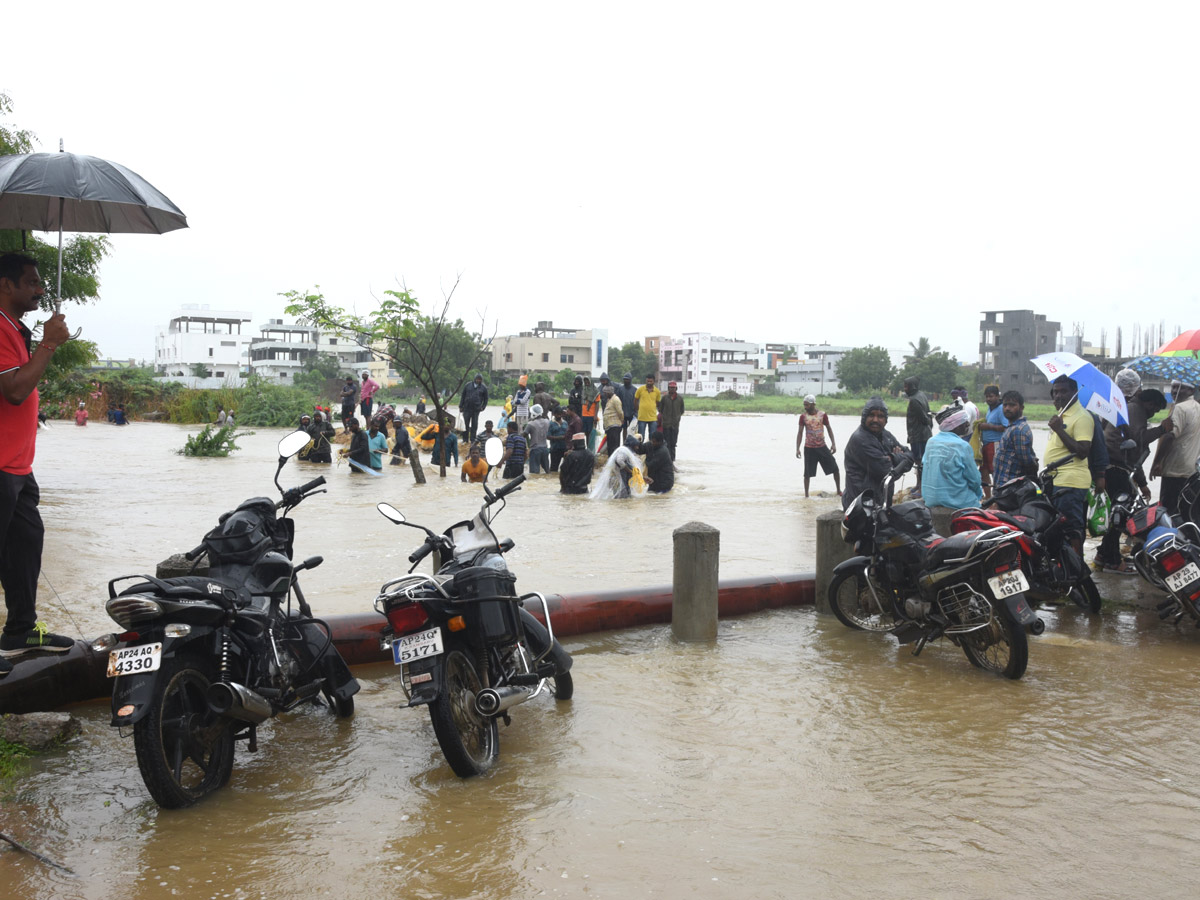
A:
{"x": 69, "y": 192}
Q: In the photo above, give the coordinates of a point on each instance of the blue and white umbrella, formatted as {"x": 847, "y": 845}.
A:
{"x": 1097, "y": 393}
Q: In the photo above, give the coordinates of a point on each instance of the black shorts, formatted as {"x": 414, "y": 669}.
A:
{"x": 822, "y": 455}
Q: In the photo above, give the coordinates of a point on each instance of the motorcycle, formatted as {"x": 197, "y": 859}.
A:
{"x": 1053, "y": 568}
{"x": 467, "y": 647}
{"x": 1165, "y": 555}
{"x": 206, "y": 658}
{"x": 910, "y": 582}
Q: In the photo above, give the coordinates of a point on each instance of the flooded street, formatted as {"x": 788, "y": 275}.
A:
{"x": 793, "y": 758}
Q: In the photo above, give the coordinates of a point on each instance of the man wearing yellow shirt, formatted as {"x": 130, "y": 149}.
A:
{"x": 1071, "y": 432}
{"x": 648, "y": 396}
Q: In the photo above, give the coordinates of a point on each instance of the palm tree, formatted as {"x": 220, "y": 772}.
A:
{"x": 921, "y": 349}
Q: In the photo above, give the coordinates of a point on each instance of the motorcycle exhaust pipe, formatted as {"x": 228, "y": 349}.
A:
{"x": 238, "y": 702}
{"x": 493, "y": 701}
{"x": 1037, "y": 626}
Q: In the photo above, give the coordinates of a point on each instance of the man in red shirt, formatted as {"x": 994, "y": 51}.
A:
{"x": 811, "y": 438}
{"x": 21, "y": 528}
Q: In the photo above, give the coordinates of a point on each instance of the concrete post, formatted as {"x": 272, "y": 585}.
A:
{"x": 694, "y": 601}
{"x": 831, "y": 550}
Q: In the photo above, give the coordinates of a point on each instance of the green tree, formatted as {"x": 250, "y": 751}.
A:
{"x": 321, "y": 374}
{"x": 439, "y": 355}
{"x": 81, "y": 255}
{"x": 632, "y": 358}
{"x": 865, "y": 369}
{"x": 939, "y": 372}
{"x": 200, "y": 370}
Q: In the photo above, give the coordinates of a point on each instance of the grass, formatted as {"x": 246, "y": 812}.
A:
{"x": 12, "y": 757}
{"x": 836, "y": 405}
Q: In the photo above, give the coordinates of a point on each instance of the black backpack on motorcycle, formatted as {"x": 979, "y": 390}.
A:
{"x": 243, "y": 535}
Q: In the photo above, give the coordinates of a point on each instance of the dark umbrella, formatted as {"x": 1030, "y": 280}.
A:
{"x": 68, "y": 192}
{"x": 1167, "y": 368}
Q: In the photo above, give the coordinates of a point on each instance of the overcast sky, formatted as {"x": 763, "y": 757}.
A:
{"x": 845, "y": 172}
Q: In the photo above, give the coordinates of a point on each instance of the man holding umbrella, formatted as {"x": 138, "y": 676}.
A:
{"x": 21, "y": 529}
{"x": 1072, "y": 430}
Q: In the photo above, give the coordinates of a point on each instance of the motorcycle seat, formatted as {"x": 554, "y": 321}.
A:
{"x": 223, "y": 592}
{"x": 941, "y": 551}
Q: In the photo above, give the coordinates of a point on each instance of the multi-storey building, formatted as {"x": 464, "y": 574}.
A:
{"x": 550, "y": 349}
{"x": 1008, "y": 339}
{"x": 705, "y": 365}
{"x": 196, "y": 334}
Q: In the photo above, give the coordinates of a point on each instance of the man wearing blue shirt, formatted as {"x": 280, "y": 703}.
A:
{"x": 951, "y": 478}
{"x": 990, "y": 431}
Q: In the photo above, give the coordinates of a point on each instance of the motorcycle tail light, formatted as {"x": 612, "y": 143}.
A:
{"x": 1172, "y": 562}
{"x": 407, "y": 618}
{"x": 456, "y": 623}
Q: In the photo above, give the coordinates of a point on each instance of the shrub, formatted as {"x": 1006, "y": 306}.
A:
{"x": 212, "y": 443}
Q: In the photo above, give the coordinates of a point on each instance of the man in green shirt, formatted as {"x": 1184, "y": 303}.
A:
{"x": 1071, "y": 432}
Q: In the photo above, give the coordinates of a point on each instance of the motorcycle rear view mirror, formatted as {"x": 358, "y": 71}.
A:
{"x": 292, "y": 443}
{"x": 391, "y": 513}
{"x": 493, "y": 451}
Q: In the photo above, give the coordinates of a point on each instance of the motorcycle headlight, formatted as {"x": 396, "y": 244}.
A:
{"x": 131, "y": 609}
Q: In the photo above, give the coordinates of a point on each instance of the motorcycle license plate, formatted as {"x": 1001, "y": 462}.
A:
{"x": 1177, "y": 581}
{"x": 134, "y": 660}
{"x": 412, "y": 647}
{"x": 1007, "y": 584}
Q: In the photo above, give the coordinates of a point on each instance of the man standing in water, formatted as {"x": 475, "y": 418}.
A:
{"x": 919, "y": 421}
{"x": 575, "y": 474}
{"x": 813, "y": 425}
{"x": 367, "y": 395}
{"x": 1070, "y": 441}
{"x": 21, "y": 529}
{"x": 349, "y": 392}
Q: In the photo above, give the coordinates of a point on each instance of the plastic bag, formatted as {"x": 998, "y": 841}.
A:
{"x": 1099, "y": 508}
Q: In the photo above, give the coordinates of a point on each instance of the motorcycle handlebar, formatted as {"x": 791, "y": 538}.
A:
{"x": 420, "y": 553}
{"x": 292, "y": 496}
{"x": 514, "y": 485}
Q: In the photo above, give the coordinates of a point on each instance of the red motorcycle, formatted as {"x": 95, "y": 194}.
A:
{"x": 1054, "y": 570}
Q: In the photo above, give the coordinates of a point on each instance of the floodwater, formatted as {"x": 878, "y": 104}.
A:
{"x": 792, "y": 758}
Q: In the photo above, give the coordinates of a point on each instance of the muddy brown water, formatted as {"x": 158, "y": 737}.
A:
{"x": 793, "y": 758}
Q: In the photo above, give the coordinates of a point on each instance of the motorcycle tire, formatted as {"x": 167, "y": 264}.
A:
{"x": 1000, "y": 647}
{"x": 1087, "y": 595}
{"x": 343, "y": 709}
{"x": 563, "y": 686}
{"x": 854, "y": 604}
{"x": 469, "y": 741}
{"x": 184, "y": 749}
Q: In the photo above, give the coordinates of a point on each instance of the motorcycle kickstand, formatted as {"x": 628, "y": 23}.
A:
{"x": 932, "y": 636}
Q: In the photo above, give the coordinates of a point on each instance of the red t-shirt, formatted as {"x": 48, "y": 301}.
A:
{"x": 19, "y": 423}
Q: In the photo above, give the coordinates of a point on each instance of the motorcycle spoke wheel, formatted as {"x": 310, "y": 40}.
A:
{"x": 184, "y": 749}
{"x": 855, "y": 605}
{"x": 469, "y": 741}
{"x": 1000, "y": 647}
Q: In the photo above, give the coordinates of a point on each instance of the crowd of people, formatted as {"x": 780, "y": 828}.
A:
{"x": 636, "y": 427}
{"x": 974, "y": 451}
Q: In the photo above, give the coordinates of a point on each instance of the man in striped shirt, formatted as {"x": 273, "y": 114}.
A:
{"x": 1014, "y": 451}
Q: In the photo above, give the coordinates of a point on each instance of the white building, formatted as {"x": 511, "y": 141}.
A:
{"x": 704, "y": 365}
{"x": 280, "y": 350}
{"x": 196, "y": 334}
{"x": 550, "y": 349}
{"x": 815, "y": 371}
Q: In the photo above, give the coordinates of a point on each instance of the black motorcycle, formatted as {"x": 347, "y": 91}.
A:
{"x": 1055, "y": 571}
{"x": 467, "y": 647}
{"x": 910, "y": 582}
{"x": 206, "y": 657}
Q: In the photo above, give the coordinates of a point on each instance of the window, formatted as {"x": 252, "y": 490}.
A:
{"x": 210, "y": 351}
{"x": 599, "y": 351}
{"x": 566, "y": 357}
{"x": 220, "y": 374}
{"x": 228, "y": 343}
{"x": 545, "y": 357}
{"x": 508, "y": 357}
{"x": 333, "y": 340}
{"x": 999, "y": 318}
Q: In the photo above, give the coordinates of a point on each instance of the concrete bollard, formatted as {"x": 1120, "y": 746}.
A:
{"x": 694, "y": 600}
{"x": 831, "y": 550}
